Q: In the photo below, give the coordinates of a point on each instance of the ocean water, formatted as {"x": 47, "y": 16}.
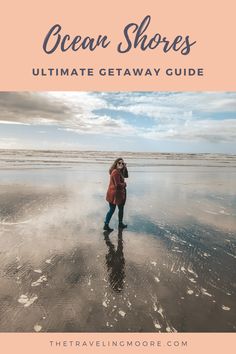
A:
{"x": 172, "y": 269}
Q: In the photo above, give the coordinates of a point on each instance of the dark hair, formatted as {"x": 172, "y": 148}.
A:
{"x": 124, "y": 170}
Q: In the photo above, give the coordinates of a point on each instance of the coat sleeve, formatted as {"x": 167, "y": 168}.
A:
{"x": 117, "y": 181}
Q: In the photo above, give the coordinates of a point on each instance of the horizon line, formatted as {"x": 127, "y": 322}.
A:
{"x": 118, "y": 151}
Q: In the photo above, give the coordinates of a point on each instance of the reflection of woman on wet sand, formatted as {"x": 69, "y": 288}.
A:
{"x": 115, "y": 262}
{"x": 116, "y": 193}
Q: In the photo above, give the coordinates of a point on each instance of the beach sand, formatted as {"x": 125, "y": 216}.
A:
{"x": 172, "y": 270}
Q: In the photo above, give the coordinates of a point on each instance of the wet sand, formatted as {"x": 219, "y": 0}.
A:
{"x": 172, "y": 269}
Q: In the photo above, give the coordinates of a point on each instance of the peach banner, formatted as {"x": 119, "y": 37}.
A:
{"x": 211, "y": 24}
{"x": 164, "y": 343}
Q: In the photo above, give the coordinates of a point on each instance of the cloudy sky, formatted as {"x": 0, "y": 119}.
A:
{"x": 131, "y": 121}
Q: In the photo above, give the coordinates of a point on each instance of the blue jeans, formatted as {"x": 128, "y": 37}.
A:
{"x": 111, "y": 212}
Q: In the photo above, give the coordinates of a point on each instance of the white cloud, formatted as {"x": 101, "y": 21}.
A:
{"x": 176, "y": 106}
{"x": 175, "y": 116}
{"x": 9, "y": 143}
{"x": 210, "y": 130}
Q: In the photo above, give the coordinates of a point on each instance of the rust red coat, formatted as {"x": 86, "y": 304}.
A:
{"x": 116, "y": 193}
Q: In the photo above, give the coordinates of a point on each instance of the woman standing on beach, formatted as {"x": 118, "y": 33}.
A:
{"x": 116, "y": 193}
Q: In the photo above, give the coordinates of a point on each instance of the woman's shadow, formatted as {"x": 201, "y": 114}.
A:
{"x": 115, "y": 262}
